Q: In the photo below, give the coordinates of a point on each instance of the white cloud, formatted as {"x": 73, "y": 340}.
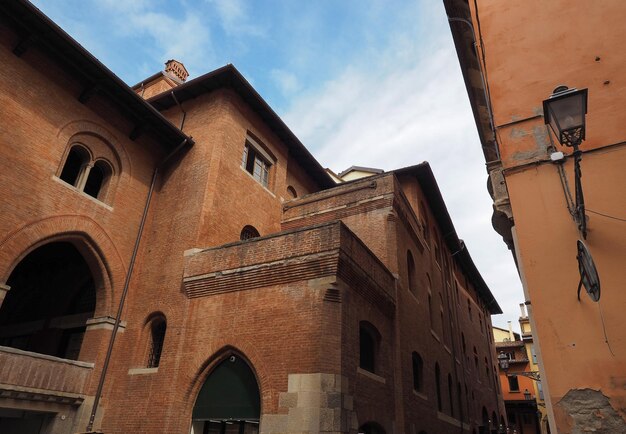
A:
{"x": 234, "y": 18}
{"x": 286, "y": 81}
{"x": 399, "y": 109}
{"x": 186, "y": 37}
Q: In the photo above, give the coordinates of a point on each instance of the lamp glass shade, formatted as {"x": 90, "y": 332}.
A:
{"x": 565, "y": 112}
{"x": 503, "y": 361}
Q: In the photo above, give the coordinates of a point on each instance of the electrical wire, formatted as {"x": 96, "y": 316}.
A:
{"x": 605, "y": 215}
{"x": 606, "y": 338}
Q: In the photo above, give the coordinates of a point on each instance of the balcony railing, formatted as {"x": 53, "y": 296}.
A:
{"x": 38, "y": 377}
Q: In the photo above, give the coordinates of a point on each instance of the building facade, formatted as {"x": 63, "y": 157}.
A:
{"x": 246, "y": 291}
{"x": 520, "y": 380}
{"x": 512, "y": 57}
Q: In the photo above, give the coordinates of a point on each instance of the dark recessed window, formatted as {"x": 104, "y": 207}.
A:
{"x": 249, "y": 232}
{"x": 75, "y": 164}
{"x": 158, "y": 327}
{"x": 292, "y": 192}
{"x": 418, "y": 372}
{"x": 438, "y": 386}
{"x": 410, "y": 267}
{"x": 368, "y": 346}
{"x": 256, "y": 164}
{"x": 513, "y": 383}
{"x": 92, "y": 178}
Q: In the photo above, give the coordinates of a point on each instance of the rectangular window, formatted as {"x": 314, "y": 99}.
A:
{"x": 256, "y": 163}
{"x": 513, "y": 384}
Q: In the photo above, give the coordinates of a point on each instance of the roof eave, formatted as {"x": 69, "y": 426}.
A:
{"x": 424, "y": 175}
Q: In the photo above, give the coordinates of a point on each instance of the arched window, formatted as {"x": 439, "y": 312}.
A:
{"x": 487, "y": 376}
{"x": 410, "y": 268}
{"x": 418, "y": 372}
{"x": 96, "y": 183}
{"x": 292, "y": 192}
{"x": 438, "y": 386}
{"x": 424, "y": 218}
{"x": 80, "y": 170}
{"x": 469, "y": 309}
{"x": 430, "y": 302}
{"x": 158, "y": 327}
{"x": 53, "y": 294}
{"x": 249, "y": 232}
{"x": 369, "y": 339}
{"x": 75, "y": 164}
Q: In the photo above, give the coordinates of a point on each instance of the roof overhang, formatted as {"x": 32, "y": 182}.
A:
{"x": 37, "y": 30}
{"x": 460, "y": 20}
{"x": 424, "y": 175}
{"x": 229, "y": 77}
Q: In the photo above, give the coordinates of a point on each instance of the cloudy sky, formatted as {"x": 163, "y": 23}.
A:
{"x": 359, "y": 82}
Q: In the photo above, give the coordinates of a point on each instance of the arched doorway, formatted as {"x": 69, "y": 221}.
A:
{"x": 229, "y": 401}
{"x": 51, "y": 298}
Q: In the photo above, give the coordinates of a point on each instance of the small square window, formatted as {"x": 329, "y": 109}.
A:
{"x": 256, "y": 163}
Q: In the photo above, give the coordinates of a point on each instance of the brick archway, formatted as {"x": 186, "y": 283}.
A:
{"x": 204, "y": 371}
{"x": 87, "y": 236}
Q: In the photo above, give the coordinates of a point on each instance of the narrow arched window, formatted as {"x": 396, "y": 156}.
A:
{"x": 368, "y": 346}
{"x": 97, "y": 180}
{"x": 292, "y": 192}
{"x": 75, "y": 164}
{"x": 249, "y": 232}
{"x": 158, "y": 326}
{"x": 410, "y": 268}
{"x": 438, "y": 385}
{"x": 418, "y": 372}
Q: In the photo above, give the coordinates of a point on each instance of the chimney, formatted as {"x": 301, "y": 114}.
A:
{"x": 522, "y": 307}
{"x": 511, "y": 335}
{"x": 176, "y": 70}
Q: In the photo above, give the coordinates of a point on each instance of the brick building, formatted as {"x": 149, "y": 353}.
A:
{"x": 257, "y": 295}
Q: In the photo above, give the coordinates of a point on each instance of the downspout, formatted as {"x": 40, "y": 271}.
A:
{"x": 131, "y": 266}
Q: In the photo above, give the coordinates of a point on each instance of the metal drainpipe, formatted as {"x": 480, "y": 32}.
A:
{"x": 120, "y": 307}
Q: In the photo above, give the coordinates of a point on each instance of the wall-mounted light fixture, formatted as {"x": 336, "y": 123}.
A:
{"x": 565, "y": 112}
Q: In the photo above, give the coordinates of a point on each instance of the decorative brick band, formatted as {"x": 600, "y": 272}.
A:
{"x": 263, "y": 275}
{"x": 340, "y": 212}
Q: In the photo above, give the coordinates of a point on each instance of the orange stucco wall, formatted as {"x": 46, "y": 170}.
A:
{"x": 529, "y": 48}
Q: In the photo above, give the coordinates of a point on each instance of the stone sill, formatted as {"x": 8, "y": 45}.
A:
{"x": 371, "y": 375}
{"x": 142, "y": 371}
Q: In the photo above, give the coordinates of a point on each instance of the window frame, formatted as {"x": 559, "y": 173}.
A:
{"x": 257, "y": 161}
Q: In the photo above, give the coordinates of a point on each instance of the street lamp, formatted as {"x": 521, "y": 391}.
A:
{"x": 503, "y": 361}
{"x": 527, "y": 395}
{"x": 565, "y": 112}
